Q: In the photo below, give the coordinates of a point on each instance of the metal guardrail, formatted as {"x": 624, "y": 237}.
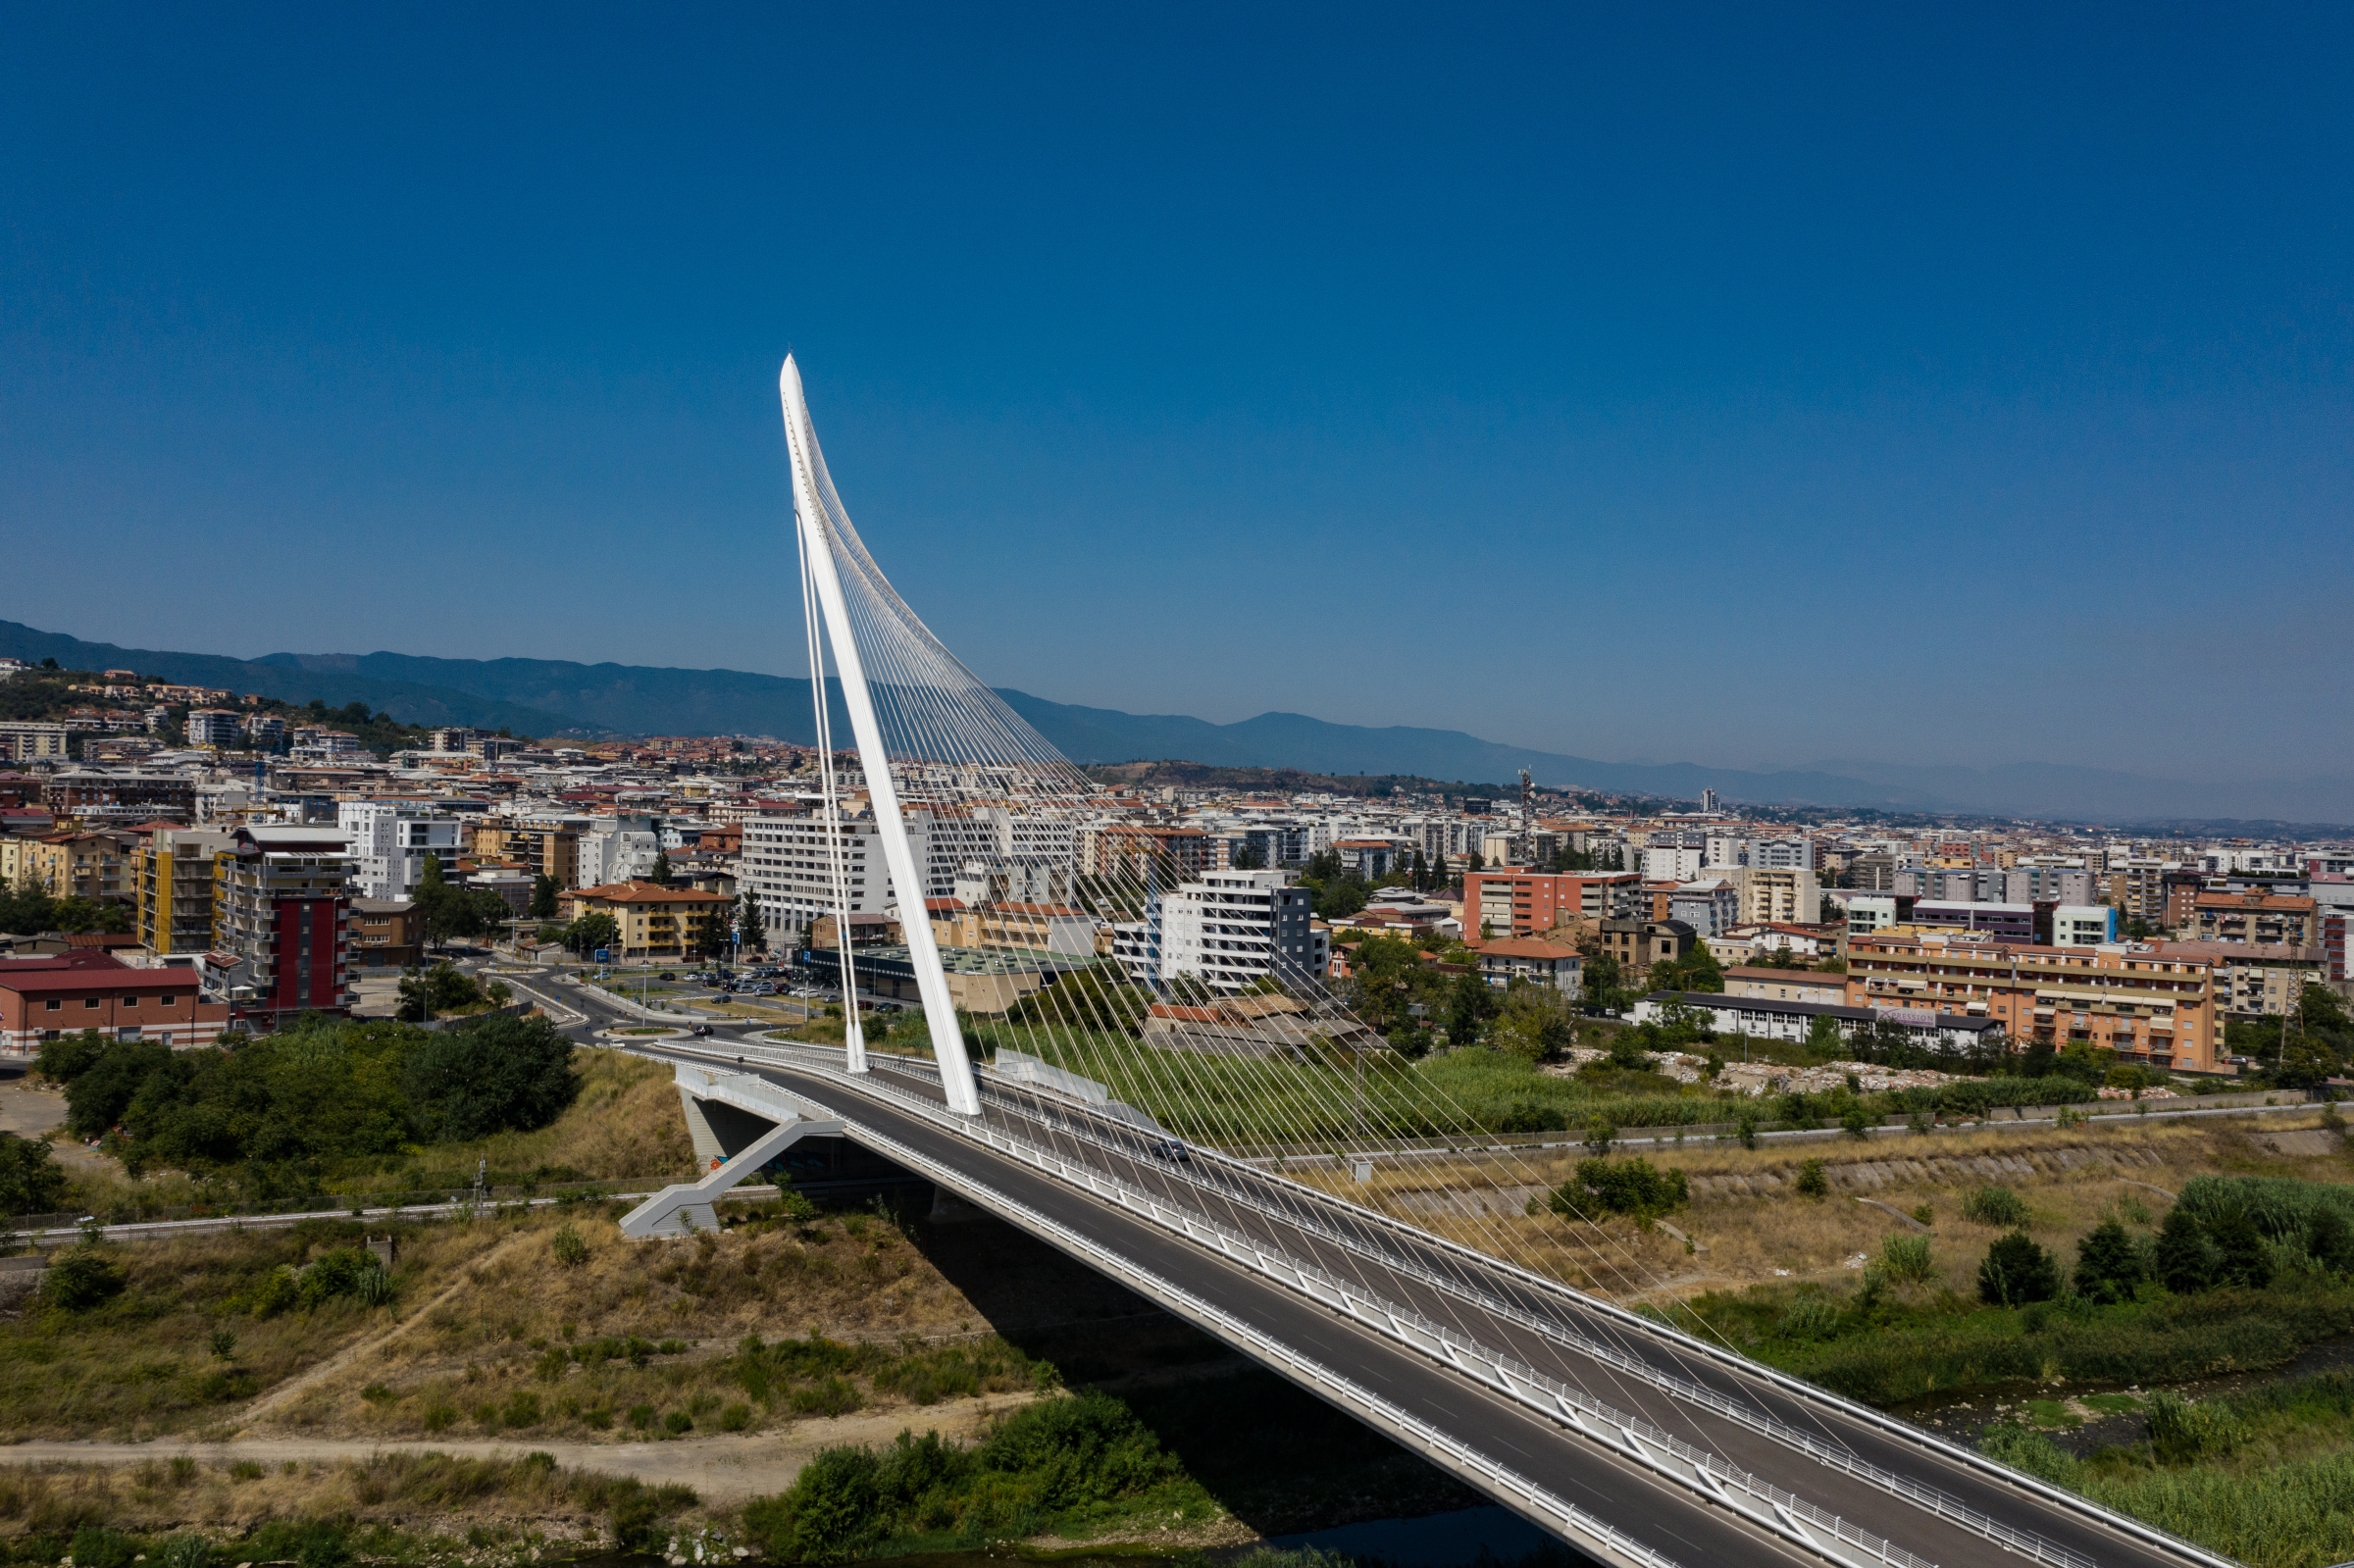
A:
{"x": 1775, "y": 1508}
{"x": 1931, "y": 1500}
{"x": 1920, "y": 1495}
{"x": 1569, "y": 1520}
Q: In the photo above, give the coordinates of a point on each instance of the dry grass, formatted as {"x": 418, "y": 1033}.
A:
{"x": 1756, "y": 1228}
{"x": 420, "y": 1492}
{"x": 506, "y": 1334}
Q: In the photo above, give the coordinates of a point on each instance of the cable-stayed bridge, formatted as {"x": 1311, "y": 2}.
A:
{"x": 1633, "y": 1443}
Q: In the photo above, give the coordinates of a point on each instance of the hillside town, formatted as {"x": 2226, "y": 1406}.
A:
{"x": 182, "y": 862}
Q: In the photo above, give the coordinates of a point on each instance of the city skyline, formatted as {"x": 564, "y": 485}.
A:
{"x": 1753, "y": 396}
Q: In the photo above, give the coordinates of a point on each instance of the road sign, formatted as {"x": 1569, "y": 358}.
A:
{"x": 604, "y": 955}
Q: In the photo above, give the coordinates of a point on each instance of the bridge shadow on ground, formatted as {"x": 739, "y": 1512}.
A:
{"x": 1277, "y": 1458}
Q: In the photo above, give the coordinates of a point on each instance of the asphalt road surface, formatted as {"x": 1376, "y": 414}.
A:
{"x": 1668, "y": 1518}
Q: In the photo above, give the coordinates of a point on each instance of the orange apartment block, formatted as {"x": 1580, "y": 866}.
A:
{"x": 1530, "y": 903}
{"x": 2145, "y": 1005}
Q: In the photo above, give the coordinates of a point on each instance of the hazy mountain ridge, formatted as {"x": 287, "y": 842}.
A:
{"x": 557, "y": 696}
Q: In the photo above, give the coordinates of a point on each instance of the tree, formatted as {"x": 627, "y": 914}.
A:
{"x": 494, "y": 1075}
{"x": 749, "y": 930}
{"x": 660, "y": 876}
{"x": 2186, "y": 1261}
{"x": 2239, "y": 1249}
{"x": 1247, "y": 859}
{"x": 2017, "y": 1270}
{"x": 544, "y": 889}
{"x": 443, "y": 988}
{"x": 31, "y": 1181}
{"x": 1469, "y": 1003}
{"x": 591, "y": 931}
{"x": 2108, "y": 1264}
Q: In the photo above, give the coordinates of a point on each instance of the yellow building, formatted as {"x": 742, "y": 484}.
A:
{"x": 174, "y": 881}
{"x": 655, "y": 923}
{"x": 79, "y": 865}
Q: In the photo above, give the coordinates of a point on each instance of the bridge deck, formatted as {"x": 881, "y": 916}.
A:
{"x": 1497, "y": 1307}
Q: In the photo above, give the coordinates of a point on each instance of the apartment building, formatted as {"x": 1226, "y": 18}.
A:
{"x": 173, "y": 876}
{"x": 1787, "y": 986}
{"x": 1787, "y": 895}
{"x": 2221, "y": 915}
{"x": 618, "y": 849}
{"x": 542, "y": 849}
{"x": 392, "y": 840}
{"x": 217, "y": 728}
{"x": 1231, "y": 927}
{"x": 656, "y": 923}
{"x": 94, "y": 796}
{"x": 386, "y": 933}
{"x": 80, "y": 865}
{"x": 1530, "y": 903}
{"x": 1132, "y": 849}
{"x": 2128, "y": 998}
{"x": 1637, "y": 945}
{"x": 281, "y": 901}
{"x": 28, "y": 741}
{"x": 787, "y": 865}
{"x": 1710, "y": 906}
{"x": 1014, "y": 928}
{"x": 2083, "y": 926}
{"x": 2256, "y": 979}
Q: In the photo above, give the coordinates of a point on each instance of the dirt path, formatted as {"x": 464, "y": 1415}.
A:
{"x": 720, "y": 1468}
{"x": 467, "y": 1276}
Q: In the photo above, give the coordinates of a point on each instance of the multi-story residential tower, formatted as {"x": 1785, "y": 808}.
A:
{"x": 174, "y": 880}
{"x": 281, "y": 902}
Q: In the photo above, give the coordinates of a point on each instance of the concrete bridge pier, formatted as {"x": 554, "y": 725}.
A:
{"x": 738, "y": 1123}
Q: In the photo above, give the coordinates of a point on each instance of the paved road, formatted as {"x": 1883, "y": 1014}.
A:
{"x": 1304, "y": 1225}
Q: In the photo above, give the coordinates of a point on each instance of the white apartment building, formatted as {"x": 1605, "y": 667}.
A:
{"x": 618, "y": 848}
{"x": 1232, "y": 928}
{"x": 788, "y": 866}
{"x": 1678, "y": 865}
{"x": 390, "y": 843}
{"x": 215, "y": 726}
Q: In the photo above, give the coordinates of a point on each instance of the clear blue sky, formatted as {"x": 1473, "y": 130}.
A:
{"x": 1752, "y": 385}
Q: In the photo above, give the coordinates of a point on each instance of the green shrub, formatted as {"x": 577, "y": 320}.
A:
{"x": 1994, "y": 1205}
{"x": 2181, "y": 1430}
{"x": 1812, "y": 1180}
{"x": 678, "y": 1422}
{"x": 1907, "y": 1258}
{"x": 30, "y": 1180}
{"x": 523, "y": 1409}
{"x": 641, "y": 1416}
{"x": 832, "y": 1396}
{"x": 2024, "y": 1449}
{"x": 2018, "y": 1272}
{"x": 79, "y": 1279}
{"x": 2186, "y": 1261}
{"x": 2109, "y": 1265}
{"x": 736, "y": 1417}
{"x": 1621, "y": 1186}
{"x": 187, "y": 1549}
{"x": 568, "y": 1249}
{"x": 101, "y": 1547}
{"x": 1808, "y": 1317}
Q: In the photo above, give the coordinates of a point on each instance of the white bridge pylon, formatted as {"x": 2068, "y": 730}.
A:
{"x": 908, "y": 879}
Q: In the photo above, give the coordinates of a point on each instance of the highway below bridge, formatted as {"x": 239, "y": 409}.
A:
{"x": 1630, "y": 1442}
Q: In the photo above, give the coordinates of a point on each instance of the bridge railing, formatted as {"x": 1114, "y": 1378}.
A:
{"x": 1775, "y": 1507}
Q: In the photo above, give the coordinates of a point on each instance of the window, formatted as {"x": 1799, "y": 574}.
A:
{"x": 53, "y": 1004}
{"x": 90, "y": 1002}
{"x": 130, "y": 1001}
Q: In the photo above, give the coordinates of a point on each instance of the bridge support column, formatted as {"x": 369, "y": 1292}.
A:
{"x": 908, "y": 879}
{"x": 738, "y": 1123}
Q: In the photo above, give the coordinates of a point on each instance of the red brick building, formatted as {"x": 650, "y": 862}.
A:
{"x": 42, "y": 998}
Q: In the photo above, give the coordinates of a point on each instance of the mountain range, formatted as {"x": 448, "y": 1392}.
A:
{"x": 554, "y": 696}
